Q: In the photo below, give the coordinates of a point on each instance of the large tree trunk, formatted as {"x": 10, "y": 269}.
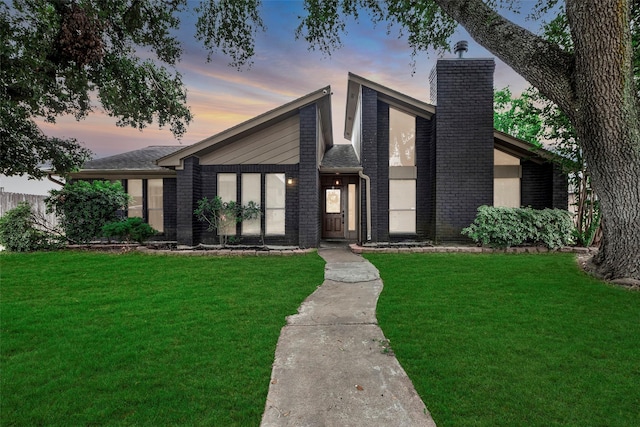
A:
{"x": 595, "y": 88}
{"x": 608, "y": 127}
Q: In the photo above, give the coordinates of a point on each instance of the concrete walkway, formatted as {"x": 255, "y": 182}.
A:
{"x": 331, "y": 367}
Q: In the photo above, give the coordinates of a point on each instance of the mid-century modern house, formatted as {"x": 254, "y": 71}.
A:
{"x": 413, "y": 170}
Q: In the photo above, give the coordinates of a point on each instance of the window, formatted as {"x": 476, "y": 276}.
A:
{"x": 402, "y": 138}
{"x": 402, "y": 206}
{"x": 402, "y": 172}
{"x": 155, "y": 212}
{"x": 506, "y": 180}
{"x": 251, "y": 193}
{"x": 147, "y": 201}
{"x": 275, "y": 204}
{"x": 227, "y": 192}
{"x": 227, "y": 187}
{"x": 352, "y": 207}
{"x": 134, "y": 189}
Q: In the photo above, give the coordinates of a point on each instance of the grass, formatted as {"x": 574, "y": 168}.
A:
{"x": 512, "y": 340}
{"x": 131, "y": 339}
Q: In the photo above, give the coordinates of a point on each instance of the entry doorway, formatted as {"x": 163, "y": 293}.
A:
{"x": 333, "y": 216}
{"x": 339, "y": 206}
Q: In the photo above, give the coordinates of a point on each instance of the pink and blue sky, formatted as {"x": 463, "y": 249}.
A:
{"x": 283, "y": 69}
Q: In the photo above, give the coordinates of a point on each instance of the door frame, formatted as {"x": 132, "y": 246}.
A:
{"x": 342, "y": 181}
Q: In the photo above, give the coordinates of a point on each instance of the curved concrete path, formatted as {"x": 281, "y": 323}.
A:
{"x": 331, "y": 367}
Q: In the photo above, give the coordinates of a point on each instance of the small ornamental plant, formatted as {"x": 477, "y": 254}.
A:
{"x": 222, "y": 217}
{"x": 128, "y": 230}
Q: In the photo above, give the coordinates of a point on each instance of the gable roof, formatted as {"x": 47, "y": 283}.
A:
{"x": 321, "y": 96}
{"x": 390, "y": 96}
{"x": 340, "y": 158}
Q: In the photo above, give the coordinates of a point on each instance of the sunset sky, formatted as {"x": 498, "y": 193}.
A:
{"x": 283, "y": 69}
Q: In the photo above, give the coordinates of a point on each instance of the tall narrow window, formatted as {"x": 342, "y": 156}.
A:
{"x": 275, "y": 204}
{"x": 134, "y": 189}
{"x": 227, "y": 192}
{"x": 352, "y": 207}
{"x": 402, "y": 172}
{"x": 251, "y": 193}
{"x": 154, "y": 204}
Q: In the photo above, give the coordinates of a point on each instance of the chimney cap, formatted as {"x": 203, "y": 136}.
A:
{"x": 461, "y": 47}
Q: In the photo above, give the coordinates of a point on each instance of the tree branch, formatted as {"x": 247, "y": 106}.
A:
{"x": 543, "y": 64}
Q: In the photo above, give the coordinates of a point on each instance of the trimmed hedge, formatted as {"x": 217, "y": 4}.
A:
{"x": 505, "y": 227}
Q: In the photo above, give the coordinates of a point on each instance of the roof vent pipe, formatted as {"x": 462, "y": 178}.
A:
{"x": 461, "y": 47}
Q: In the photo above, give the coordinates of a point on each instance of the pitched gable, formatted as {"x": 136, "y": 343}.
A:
{"x": 252, "y": 135}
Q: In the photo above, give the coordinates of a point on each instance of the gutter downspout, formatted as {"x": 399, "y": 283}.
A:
{"x": 368, "y": 189}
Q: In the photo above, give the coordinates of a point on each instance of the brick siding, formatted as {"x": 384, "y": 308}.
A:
{"x": 464, "y": 144}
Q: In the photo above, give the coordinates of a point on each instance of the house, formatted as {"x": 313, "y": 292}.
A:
{"x": 413, "y": 171}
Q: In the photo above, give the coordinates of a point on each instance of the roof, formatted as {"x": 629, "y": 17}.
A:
{"x": 161, "y": 160}
{"x": 340, "y": 158}
{"x": 136, "y": 162}
{"x": 521, "y": 148}
{"x": 320, "y": 96}
{"x": 390, "y": 96}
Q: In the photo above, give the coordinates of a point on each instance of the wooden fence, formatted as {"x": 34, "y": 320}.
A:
{"x": 9, "y": 201}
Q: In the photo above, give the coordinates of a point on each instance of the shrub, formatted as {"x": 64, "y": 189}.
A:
{"x": 83, "y": 207}
{"x": 223, "y": 216}
{"x": 19, "y": 232}
{"x": 130, "y": 229}
{"x": 505, "y": 227}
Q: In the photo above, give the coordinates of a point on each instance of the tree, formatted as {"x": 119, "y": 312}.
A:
{"x": 593, "y": 85}
{"x": 57, "y": 56}
{"x": 517, "y": 116}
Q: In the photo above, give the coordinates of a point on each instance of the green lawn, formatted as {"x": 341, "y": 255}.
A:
{"x": 131, "y": 339}
{"x": 512, "y": 340}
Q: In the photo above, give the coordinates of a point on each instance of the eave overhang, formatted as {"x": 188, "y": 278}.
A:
{"x": 522, "y": 149}
{"x": 123, "y": 174}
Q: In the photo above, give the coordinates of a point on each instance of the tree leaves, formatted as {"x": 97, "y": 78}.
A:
{"x": 231, "y": 26}
{"x": 56, "y": 55}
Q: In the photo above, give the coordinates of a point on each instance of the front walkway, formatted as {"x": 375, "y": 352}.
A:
{"x": 332, "y": 365}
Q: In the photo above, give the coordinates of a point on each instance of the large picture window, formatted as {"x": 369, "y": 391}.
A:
{"x": 275, "y": 204}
